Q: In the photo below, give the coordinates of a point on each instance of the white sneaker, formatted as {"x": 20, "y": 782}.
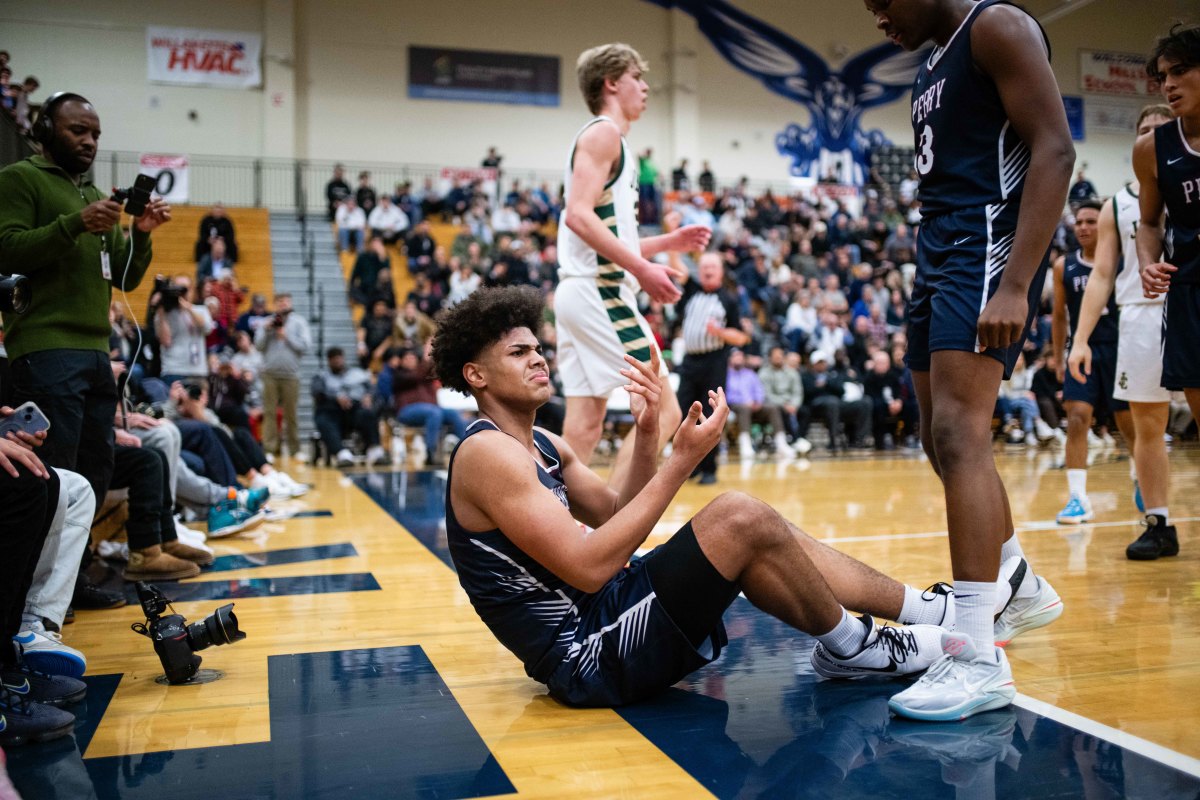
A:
{"x": 745, "y": 447}
{"x": 802, "y": 445}
{"x": 1026, "y": 613}
{"x": 281, "y": 485}
{"x": 1094, "y": 440}
{"x": 44, "y": 651}
{"x": 191, "y": 537}
{"x": 113, "y": 551}
{"x": 887, "y": 652}
{"x": 1043, "y": 430}
{"x": 958, "y": 685}
{"x": 345, "y": 458}
{"x": 782, "y": 448}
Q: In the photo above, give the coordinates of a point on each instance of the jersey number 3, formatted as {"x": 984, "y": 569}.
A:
{"x": 925, "y": 152}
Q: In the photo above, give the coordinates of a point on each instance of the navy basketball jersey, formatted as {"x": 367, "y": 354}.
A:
{"x": 532, "y": 611}
{"x": 1076, "y": 272}
{"x": 1179, "y": 184}
{"x": 967, "y": 154}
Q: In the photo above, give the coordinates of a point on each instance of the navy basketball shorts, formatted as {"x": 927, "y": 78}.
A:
{"x": 960, "y": 261}
{"x": 1181, "y": 337}
{"x": 1097, "y": 390}
{"x": 629, "y": 645}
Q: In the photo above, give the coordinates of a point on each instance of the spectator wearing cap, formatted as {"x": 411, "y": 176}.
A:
{"x": 255, "y": 317}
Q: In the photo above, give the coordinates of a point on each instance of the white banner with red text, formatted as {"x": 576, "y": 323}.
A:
{"x": 170, "y": 174}
{"x": 200, "y": 57}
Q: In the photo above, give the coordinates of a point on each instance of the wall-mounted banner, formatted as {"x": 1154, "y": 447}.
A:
{"x": 196, "y": 57}
{"x": 1112, "y": 115}
{"x": 171, "y": 174}
{"x": 1074, "y": 108}
{"x": 1122, "y": 74}
{"x": 482, "y": 76}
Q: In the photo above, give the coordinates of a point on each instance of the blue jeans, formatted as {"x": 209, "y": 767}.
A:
{"x": 433, "y": 418}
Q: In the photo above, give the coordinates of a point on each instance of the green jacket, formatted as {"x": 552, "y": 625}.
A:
{"x": 42, "y": 237}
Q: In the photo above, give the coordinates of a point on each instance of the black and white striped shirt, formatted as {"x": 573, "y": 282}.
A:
{"x": 699, "y": 307}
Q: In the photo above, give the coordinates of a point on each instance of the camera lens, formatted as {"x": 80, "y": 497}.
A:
{"x": 221, "y": 627}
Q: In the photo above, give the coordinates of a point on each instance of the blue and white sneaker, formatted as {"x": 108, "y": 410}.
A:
{"x": 227, "y": 519}
{"x": 1137, "y": 497}
{"x": 44, "y": 651}
{"x": 1077, "y": 510}
{"x": 960, "y": 684}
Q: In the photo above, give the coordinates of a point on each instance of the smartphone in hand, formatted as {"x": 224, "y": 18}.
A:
{"x": 27, "y": 418}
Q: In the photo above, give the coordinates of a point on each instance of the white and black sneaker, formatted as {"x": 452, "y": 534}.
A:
{"x": 887, "y": 652}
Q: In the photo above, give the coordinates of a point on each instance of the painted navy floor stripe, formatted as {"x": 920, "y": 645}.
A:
{"x": 376, "y": 723}
{"x": 760, "y": 723}
{"x": 247, "y": 588}
{"x": 292, "y": 555}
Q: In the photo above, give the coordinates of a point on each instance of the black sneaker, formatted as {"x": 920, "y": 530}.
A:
{"x": 22, "y": 720}
{"x": 39, "y": 687}
{"x": 1159, "y": 539}
{"x": 90, "y": 597}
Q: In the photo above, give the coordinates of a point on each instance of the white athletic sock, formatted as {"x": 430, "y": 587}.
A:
{"x": 1132, "y": 469}
{"x": 922, "y": 608}
{"x": 1011, "y": 547}
{"x": 846, "y": 638}
{"x": 1160, "y": 511}
{"x": 974, "y": 607}
{"x": 1077, "y": 483}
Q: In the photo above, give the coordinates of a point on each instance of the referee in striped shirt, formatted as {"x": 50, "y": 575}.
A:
{"x": 711, "y": 326}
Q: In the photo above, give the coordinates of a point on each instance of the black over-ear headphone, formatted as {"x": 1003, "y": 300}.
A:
{"x": 43, "y": 128}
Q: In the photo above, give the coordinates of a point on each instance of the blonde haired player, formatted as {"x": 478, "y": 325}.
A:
{"x": 602, "y": 261}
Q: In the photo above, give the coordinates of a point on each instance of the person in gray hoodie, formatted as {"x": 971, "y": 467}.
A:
{"x": 283, "y": 342}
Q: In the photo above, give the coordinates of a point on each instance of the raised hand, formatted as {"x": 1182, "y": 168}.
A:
{"x": 645, "y": 391}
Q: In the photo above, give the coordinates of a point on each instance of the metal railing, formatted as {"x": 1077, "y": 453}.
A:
{"x": 285, "y": 184}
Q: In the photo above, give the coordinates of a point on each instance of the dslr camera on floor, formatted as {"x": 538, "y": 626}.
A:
{"x": 175, "y": 641}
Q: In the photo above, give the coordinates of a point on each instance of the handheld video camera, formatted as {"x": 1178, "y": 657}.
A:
{"x": 168, "y": 294}
{"x": 137, "y": 196}
{"x": 175, "y": 641}
{"x": 15, "y": 294}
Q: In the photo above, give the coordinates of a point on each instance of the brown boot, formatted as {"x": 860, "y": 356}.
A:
{"x": 152, "y": 564}
{"x": 188, "y": 553}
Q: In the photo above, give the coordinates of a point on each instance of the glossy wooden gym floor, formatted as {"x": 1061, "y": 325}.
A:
{"x": 1118, "y": 668}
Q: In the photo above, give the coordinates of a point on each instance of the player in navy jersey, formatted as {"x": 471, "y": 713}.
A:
{"x": 1167, "y": 164}
{"x": 1092, "y": 397}
{"x": 994, "y": 157}
{"x": 1139, "y": 347}
{"x": 597, "y": 625}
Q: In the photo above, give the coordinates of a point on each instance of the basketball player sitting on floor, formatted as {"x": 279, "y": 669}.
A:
{"x": 594, "y": 627}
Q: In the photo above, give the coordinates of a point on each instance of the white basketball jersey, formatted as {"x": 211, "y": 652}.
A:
{"x": 1128, "y": 286}
{"x": 617, "y": 209}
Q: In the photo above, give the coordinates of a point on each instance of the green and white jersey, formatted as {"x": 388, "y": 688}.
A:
{"x": 1128, "y": 285}
{"x": 616, "y": 207}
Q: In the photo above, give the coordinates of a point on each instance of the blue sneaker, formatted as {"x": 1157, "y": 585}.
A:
{"x": 1077, "y": 510}
{"x": 226, "y": 519}
{"x": 250, "y": 499}
{"x": 1137, "y": 497}
{"x": 44, "y": 651}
